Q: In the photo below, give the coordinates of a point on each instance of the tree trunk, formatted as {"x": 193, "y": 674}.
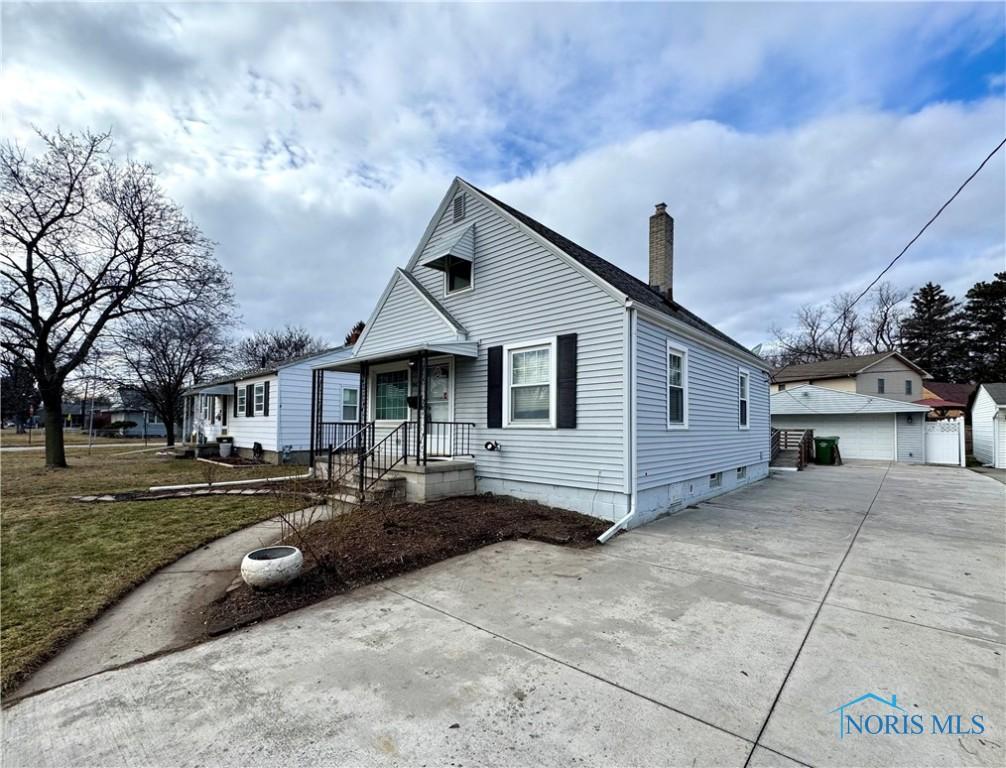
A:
{"x": 169, "y": 432}
{"x": 55, "y": 454}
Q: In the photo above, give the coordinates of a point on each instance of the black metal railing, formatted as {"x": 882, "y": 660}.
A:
{"x": 344, "y": 457}
{"x": 359, "y": 451}
{"x": 449, "y": 438}
{"x": 391, "y": 450}
{"x": 340, "y": 433}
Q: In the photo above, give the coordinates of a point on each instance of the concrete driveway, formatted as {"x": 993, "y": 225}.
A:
{"x": 725, "y": 635}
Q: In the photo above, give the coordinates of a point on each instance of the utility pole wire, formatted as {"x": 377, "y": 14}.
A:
{"x": 917, "y": 236}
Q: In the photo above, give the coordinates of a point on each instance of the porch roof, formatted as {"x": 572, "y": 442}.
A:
{"x": 455, "y": 348}
{"x": 211, "y": 389}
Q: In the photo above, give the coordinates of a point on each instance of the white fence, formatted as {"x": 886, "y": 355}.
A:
{"x": 945, "y": 441}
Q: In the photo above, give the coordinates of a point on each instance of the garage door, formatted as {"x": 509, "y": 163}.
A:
{"x": 861, "y": 436}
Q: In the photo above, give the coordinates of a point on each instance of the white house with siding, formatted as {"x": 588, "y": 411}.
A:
{"x": 868, "y": 427}
{"x": 532, "y": 367}
{"x": 270, "y": 407}
{"x": 988, "y": 425}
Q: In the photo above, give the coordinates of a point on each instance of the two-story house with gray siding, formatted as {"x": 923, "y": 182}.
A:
{"x": 890, "y": 375}
{"x": 517, "y": 362}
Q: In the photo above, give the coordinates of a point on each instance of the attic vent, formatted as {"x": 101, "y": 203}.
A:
{"x": 459, "y": 207}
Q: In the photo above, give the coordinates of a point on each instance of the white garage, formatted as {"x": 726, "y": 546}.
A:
{"x": 988, "y": 425}
{"x": 867, "y": 427}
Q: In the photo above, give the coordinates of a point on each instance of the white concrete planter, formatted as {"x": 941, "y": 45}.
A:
{"x": 225, "y": 449}
{"x": 271, "y": 567}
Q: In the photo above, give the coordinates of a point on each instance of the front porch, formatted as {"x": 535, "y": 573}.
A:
{"x": 405, "y": 439}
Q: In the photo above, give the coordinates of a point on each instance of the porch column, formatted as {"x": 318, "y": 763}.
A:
{"x": 314, "y": 418}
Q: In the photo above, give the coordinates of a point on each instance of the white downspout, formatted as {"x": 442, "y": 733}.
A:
{"x": 630, "y": 432}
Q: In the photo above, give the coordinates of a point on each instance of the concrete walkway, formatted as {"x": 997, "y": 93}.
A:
{"x": 163, "y": 613}
{"x": 725, "y": 635}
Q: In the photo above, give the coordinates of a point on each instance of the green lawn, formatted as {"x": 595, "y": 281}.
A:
{"x": 63, "y": 562}
{"x": 11, "y": 439}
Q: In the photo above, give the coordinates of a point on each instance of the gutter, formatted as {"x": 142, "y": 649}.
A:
{"x": 630, "y": 432}
{"x": 226, "y": 483}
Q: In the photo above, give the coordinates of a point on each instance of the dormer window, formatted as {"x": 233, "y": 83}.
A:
{"x": 459, "y": 275}
{"x": 459, "y": 208}
{"x": 455, "y": 258}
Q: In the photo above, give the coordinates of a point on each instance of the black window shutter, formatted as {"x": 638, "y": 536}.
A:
{"x": 249, "y": 400}
{"x": 565, "y": 379}
{"x": 494, "y": 405}
{"x": 235, "y": 400}
{"x": 265, "y": 398}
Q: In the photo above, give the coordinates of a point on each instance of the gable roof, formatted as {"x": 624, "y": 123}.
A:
{"x": 839, "y": 367}
{"x": 808, "y": 399}
{"x": 623, "y": 282}
{"x": 950, "y": 392}
{"x": 997, "y": 391}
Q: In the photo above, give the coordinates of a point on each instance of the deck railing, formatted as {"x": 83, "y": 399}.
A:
{"x": 799, "y": 440}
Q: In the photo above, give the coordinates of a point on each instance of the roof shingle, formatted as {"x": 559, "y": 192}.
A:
{"x": 616, "y": 277}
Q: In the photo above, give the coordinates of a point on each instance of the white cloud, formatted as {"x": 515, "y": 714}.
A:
{"x": 312, "y": 142}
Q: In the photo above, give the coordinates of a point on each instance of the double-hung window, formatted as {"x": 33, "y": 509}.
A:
{"x": 908, "y": 386}
{"x": 259, "y": 394}
{"x": 743, "y": 387}
{"x": 529, "y": 385}
{"x": 391, "y": 396}
{"x": 350, "y": 404}
{"x": 242, "y": 394}
{"x": 881, "y": 386}
{"x": 677, "y": 388}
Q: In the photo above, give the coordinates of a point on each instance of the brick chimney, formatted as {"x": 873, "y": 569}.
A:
{"x": 662, "y": 251}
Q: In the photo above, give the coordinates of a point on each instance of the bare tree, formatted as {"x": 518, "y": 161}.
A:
{"x": 87, "y": 242}
{"x": 844, "y": 332}
{"x": 883, "y": 324}
{"x": 268, "y": 348}
{"x": 160, "y": 355}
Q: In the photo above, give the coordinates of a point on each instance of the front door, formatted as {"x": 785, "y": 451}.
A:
{"x": 438, "y": 434}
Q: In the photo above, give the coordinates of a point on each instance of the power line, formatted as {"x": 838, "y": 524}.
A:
{"x": 919, "y": 234}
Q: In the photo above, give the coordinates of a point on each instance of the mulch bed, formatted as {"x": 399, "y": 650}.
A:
{"x": 376, "y": 542}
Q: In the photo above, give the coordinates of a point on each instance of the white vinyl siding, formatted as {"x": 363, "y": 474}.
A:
{"x": 257, "y": 428}
{"x": 407, "y": 318}
{"x": 988, "y": 430}
{"x": 294, "y": 401}
{"x": 712, "y": 442}
{"x": 525, "y": 292}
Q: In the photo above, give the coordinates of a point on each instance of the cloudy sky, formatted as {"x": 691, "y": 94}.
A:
{"x": 798, "y": 147}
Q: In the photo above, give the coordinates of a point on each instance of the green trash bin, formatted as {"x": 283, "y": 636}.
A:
{"x": 824, "y": 450}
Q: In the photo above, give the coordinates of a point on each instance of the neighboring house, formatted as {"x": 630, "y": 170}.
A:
{"x": 988, "y": 425}
{"x": 131, "y": 405}
{"x": 886, "y": 374}
{"x": 868, "y": 427}
{"x": 947, "y": 400}
{"x": 516, "y": 362}
{"x": 271, "y": 407}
